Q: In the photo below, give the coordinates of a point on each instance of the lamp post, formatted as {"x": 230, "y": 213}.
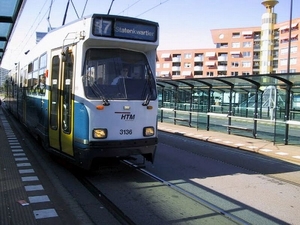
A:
{"x": 290, "y": 36}
{"x": 288, "y": 91}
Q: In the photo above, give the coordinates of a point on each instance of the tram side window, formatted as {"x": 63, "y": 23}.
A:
{"x": 54, "y": 93}
{"x": 38, "y": 83}
{"x": 34, "y": 87}
{"x": 42, "y": 79}
{"x": 25, "y": 78}
{"x": 29, "y": 78}
{"x": 67, "y": 93}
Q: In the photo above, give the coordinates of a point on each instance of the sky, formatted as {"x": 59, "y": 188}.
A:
{"x": 184, "y": 24}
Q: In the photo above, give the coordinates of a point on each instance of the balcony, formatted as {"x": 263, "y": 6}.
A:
{"x": 257, "y": 37}
{"x": 198, "y": 68}
{"x": 256, "y": 58}
{"x": 198, "y": 59}
{"x": 176, "y": 68}
{"x": 256, "y": 67}
{"x": 222, "y": 68}
{"x": 256, "y": 47}
{"x": 222, "y": 58}
{"x": 176, "y": 59}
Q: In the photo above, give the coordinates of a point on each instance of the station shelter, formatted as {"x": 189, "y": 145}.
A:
{"x": 261, "y": 106}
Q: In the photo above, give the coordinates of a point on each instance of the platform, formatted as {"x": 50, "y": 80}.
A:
{"x": 289, "y": 153}
{"x": 27, "y": 196}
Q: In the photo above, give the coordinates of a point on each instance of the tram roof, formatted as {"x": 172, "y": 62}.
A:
{"x": 241, "y": 84}
{"x": 9, "y": 14}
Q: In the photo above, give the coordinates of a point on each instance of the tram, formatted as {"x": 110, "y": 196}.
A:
{"x": 71, "y": 92}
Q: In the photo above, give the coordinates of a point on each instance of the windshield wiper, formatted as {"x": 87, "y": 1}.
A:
{"x": 97, "y": 92}
{"x": 147, "y": 100}
{"x": 148, "y": 84}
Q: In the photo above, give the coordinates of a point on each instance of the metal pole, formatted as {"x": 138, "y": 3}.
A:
{"x": 288, "y": 92}
{"x": 275, "y": 115}
{"x": 290, "y": 36}
{"x": 110, "y": 7}
{"x": 66, "y": 12}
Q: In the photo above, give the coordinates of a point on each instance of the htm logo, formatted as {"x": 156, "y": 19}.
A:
{"x": 127, "y": 117}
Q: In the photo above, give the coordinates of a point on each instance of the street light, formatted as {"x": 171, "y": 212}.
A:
{"x": 288, "y": 91}
{"x": 290, "y": 36}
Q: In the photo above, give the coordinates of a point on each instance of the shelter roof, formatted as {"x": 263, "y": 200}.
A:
{"x": 9, "y": 14}
{"x": 242, "y": 84}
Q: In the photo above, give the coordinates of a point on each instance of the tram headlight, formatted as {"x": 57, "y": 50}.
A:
{"x": 148, "y": 131}
{"x": 100, "y": 133}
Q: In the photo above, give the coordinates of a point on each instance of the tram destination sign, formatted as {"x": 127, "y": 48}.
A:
{"x": 127, "y": 29}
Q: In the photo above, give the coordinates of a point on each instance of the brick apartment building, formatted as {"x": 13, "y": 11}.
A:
{"x": 238, "y": 51}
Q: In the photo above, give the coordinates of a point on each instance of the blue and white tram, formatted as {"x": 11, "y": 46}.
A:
{"x": 66, "y": 93}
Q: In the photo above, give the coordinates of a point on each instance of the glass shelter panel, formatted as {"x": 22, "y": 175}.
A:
{"x": 266, "y": 106}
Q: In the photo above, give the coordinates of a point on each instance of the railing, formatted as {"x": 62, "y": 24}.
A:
{"x": 269, "y": 124}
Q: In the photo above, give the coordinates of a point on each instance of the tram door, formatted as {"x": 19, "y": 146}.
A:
{"x": 60, "y": 102}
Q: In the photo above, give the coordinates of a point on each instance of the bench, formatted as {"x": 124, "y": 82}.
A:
{"x": 231, "y": 127}
{"x": 181, "y": 119}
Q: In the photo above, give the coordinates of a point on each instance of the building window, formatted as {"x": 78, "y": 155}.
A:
{"x": 198, "y": 57}
{"x": 187, "y": 65}
{"x": 222, "y": 45}
{"x": 291, "y": 71}
{"x": 236, "y": 45}
{"x": 246, "y": 64}
{"x": 198, "y": 73}
{"x": 234, "y": 73}
{"x": 283, "y": 51}
{"x": 283, "y": 62}
{"x": 234, "y": 64}
{"x": 256, "y": 56}
{"x": 210, "y": 74}
{"x": 247, "y": 44}
{"x": 222, "y": 73}
{"x": 293, "y": 61}
{"x": 157, "y": 65}
{"x": 187, "y": 55}
{"x": 245, "y": 73}
{"x": 236, "y": 35}
{"x": 177, "y": 56}
{"x": 268, "y": 20}
{"x": 246, "y": 54}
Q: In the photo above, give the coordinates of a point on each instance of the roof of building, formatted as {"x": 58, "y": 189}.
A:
{"x": 9, "y": 14}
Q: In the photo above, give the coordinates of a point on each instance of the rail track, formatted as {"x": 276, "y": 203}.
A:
{"x": 201, "y": 209}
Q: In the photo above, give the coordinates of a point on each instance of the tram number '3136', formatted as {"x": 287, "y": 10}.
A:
{"x": 125, "y": 132}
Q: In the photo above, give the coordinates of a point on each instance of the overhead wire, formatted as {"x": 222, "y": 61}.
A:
{"x": 153, "y": 8}
{"x": 31, "y": 29}
{"x": 129, "y": 7}
{"x": 34, "y": 28}
{"x": 48, "y": 18}
{"x": 67, "y": 9}
{"x": 75, "y": 9}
